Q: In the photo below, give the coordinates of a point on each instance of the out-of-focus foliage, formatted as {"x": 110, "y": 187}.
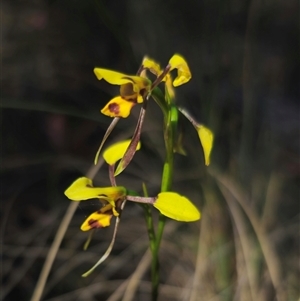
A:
{"x": 244, "y": 57}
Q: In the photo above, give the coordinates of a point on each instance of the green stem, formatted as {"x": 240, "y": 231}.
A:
{"x": 170, "y": 126}
{"x": 151, "y": 233}
{"x": 150, "y": 228}
{"x": 152, "y": 239}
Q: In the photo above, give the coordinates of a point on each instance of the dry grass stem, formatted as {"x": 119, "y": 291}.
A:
{"x": 39, "y": 288}
{"x": 271, "y": 258}
{"x": 243, "y": 248}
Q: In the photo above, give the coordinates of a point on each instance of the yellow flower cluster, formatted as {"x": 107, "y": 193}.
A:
{"x": 137, "y": 89}
{"x": 170, "y": 204}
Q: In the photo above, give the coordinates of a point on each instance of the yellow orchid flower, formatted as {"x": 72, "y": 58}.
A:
{"x": 175, "y": 206}
{"x": 132, "y": 88}
{"x": 116, "y": 151}
{"x": 131, "y": 85}
{"x": 82, "y": 189}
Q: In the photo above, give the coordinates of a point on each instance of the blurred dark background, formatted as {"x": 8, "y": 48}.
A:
{"x": 244, "y": 59}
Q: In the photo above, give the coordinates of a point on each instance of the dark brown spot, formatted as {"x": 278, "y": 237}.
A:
{"x": 114, "y": 108}
{"x": 94, "y": 224}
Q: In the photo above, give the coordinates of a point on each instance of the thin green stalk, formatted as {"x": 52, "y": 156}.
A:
{"x": 149, "y": 220}
{"x": 166, "y": 185}
{"x": 150, "y": 227}
{"x": 151, "y": 235}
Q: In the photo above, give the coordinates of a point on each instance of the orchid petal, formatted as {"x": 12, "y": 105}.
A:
{"x": 82, "y": 189}
{"x": 131, "y": 85}
{"x": 116, "y": 151}
{"x": 177, "y": 207}
{"x": 206, "y": 138}
{"x": 183, "y": 71}
{"x": 114, "y": 77}
{"x": 151, "y": 65}
{"x": 118, "y": 107}
{"x": 109, "y": 249}
{"x": 97, "y": 219}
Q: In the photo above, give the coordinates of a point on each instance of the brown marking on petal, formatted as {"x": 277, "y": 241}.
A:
{"x": 114, "y": 108}
{"x": 94, "y": 224}
{"x": 127, "y": 92}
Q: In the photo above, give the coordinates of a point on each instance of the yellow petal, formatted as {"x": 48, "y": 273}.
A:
{"x": 82, "y": 189}
{"x": 118, "y": 107}
{"x": 137, "y": 83}
{"x": 177, "y": 207}
{"x": 183, "y": 71}
{"x": 207, "y": 138}
{"x": 116, "y": 151}
{"x": 151, "y": 65}
{"x": 109, "y": 249}
{"x": 112, "y": 77}
{"x": 205, "y": 134}
{"x": 96, "y": 220}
